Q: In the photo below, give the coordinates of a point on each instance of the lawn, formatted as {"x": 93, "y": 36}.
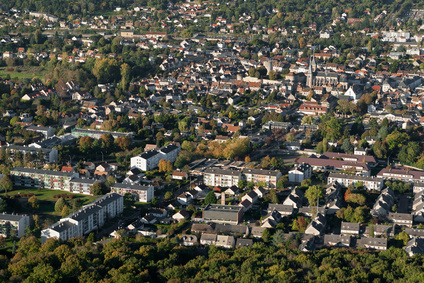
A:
{"x": 45, "y": 194}
{"x": 21, "y": 72}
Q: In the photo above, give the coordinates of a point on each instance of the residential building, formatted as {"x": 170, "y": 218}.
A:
{"x": 403, "y": 219}
{"x": 45, "y": 179}
{"x": 225, "y": 241}
{"x": 222, "y": 177}
{"x": 403, "y": 174}
{"x": 331, "y": 240}
{"x": 231, "y": 214}
{"x": 334, "y": 165}
{"x": 300, "y": 172}
{"x": 269, "y": 177}
{"x": 415, "y": 246}
{"x": 149, "y": 160}
{"x": 45, "y": 154}
{"x": 348, "y": 228}
{"x": 369, "y": 183}
{"x": 140, "y": 193}
{"x": 46, "y": 131}
{"x": 383, "y": 204}
{"x": 89, "y": 218}
{"x": 96, "y": 134}
{"x": 333, "y": 198}
{"x": 317, "y": 226}
{"x": 81, "y": 186}
{"x": 294, "y": 199}
{"x": 13, "y": 224}
{"x": 372, "y": 243}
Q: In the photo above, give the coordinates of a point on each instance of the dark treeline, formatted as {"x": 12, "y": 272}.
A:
{"x": 146, "y": 260}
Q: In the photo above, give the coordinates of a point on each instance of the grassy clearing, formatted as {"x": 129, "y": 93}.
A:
{"x": 21, "y": 72}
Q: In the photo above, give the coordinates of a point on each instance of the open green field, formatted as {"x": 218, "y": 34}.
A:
{"x": 22, "y": 72}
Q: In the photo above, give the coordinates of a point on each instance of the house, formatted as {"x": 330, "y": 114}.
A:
{"x": 257, "y": 231}
{"x": 149, "y": 160}
{"x": 208, "y": 239}
{"x": 243, "y": 242}
{"x": 185, "y": 198}
{"x": 294, "y": 145}
{"x": 142, "y": 193}
{"x": 403, "y": 219}
{"x": 317, "y": 225}
{"x": 415, "y": 246}
{"x": 13, "y": 224}
{"x": 188, "y": 240}
{"x": 250, "y": 196}
{"x": 181, "y": 215}
{"x": 261, "y": 192}
{"x": 379, "y": 230}
{"x": 179, "y": 175}
{"x": 87, "y": 219}
{"x": 282, "y": 209}
{"x": 300, "y": 172}
{"x": 149, "y": 219}
{"x": 348, "y": 228}
{"x": 333, "y": 198}
{"x": 225, "y": 241}
{"x": 372, "y": 243}
{"x": 294, "y": 199}
{"x": 331, "y": 240}
{"x": 383, "y": 204}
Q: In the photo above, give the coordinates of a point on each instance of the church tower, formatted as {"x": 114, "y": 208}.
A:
{"x": 310, "y": 76}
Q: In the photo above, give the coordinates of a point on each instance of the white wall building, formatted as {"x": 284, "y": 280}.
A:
{"x": 13, "y": 224}
{"x": 300, "y": 172}
{"x": 87, "y": 219}
{"x": 141, "y": 193}
{"x": 149, "y": 160}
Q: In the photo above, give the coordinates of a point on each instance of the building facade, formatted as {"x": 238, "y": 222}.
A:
{"x": 13, "y": 224}
{"x": 89, "y": 218}
{"x": 45, "y": 179}
{"x": 140, "y": 193}
{"x": 149, "y": 160}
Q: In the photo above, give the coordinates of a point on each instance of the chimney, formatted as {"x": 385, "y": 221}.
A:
{"x": 223, "y": 198}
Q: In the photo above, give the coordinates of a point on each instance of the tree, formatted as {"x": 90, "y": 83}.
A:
{"x": 91, "y": 237}
{"x": 403, "y": 236}
{"x": 169, "y": 195}
{"x": 6, "y": 184}
{"x": 106, "y": 70}
{"x": 210, "y": 198}
{"x": 60, "y": 203}
{"x": 85, "y": 144}
{"x": 266, "y": 234}
{"x": 278, "y": 238}
{"x": 65, "y": 211}
{"x": 99, "y": 188}
{"x": 347, "y": 146}
{"x": 106, "y": 141}
{"x": 125, "y": 76}
{"x": 313, "y": 193}
{"x": 124, "y": 142}
{"x": 33, "y": 202}
{"x": 162, "y": 165}
{"x": 169, "y": 167}
{"x": 396, "y": 140}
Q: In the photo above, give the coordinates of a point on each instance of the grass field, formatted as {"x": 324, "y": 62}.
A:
{"x": 46, "y": 200}
{"x": 22, "y": 72}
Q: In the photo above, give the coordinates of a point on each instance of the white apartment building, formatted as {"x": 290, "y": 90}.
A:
{"x": 141, "y": 193}
{"x": 149, "y": 160}
{"x": 13, "y": 224}
{"x": 87, "y": 219}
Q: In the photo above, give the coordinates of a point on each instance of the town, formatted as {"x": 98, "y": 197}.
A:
{"x": 207, "y": 125}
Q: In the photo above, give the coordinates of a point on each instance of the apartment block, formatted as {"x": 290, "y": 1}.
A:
{"x": 140, "y": 193}
{"x": 149, "y": 160}
{"x": 89, "y": 218}
{"x": 45, "y": 179}
{"x": 13, "y": 224}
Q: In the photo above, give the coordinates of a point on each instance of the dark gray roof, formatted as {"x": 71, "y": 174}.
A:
{"x": 62, "y": 226}
{"x": 11, "y": 217}
{"x": 130, "y": 187}
{"x": 169, "y": 148}
{"x": 261, "y": 172}
{"x": 148, "y": 154}
{"x": 40, "y": 171}
{"x": 222, "y": 171}
{"x": 83, "y": 181}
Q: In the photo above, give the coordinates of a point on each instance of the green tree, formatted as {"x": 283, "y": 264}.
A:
{"x": 6, "y": 184}
{"x": 60, "y": 203}
{"x": 169, "y": 195}
{"x": 65, "y": 211}
{"x": 278, "y": 238}
{"x": 210, "y": 198}
{"x": 33, "y": 203}
{"x": 347, "y": 146}
{"x": 313, "y": 193}
{"x": 266, "y": 235}
{"x": 99, "y": 188}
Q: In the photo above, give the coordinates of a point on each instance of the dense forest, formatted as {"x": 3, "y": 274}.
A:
{"x": 145, "y": 260}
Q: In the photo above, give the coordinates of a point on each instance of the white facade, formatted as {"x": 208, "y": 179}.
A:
{"x": 150, "y": 159}
{"x": 13, "y": 224}
{"x": 87, "y": 219}
{"x": 300, "y": 173}
{"x": 140, "y": 193}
